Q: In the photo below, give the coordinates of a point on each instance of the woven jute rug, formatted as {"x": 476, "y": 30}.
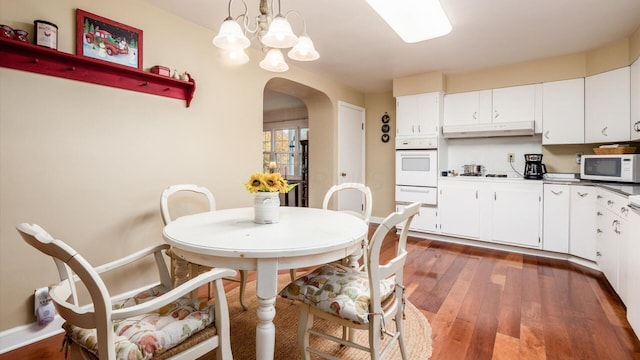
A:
{"x": 417, "y": 331}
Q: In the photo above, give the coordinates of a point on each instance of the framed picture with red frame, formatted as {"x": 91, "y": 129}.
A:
{"x": 100, "y": 38}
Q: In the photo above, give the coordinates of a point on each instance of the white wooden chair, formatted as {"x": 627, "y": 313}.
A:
{"x": 374, "y": 307}
{"x": 157, "y": 321}
{"x": 365, "y": 213}
{"x": 179, "y": 265}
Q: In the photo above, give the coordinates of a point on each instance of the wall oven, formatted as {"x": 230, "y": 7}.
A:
{"x": 416, "y": 167}
{"x": 416, "y": 171}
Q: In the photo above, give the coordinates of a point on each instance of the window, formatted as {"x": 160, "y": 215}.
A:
{"x": 282, "y": 146}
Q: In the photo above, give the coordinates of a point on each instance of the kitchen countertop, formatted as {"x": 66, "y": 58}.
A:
{"x": 488, "y": 179}
{"x": 625, "y": 189}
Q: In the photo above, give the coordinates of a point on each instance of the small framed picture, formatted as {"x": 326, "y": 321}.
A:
{"x": 100, "y": 38}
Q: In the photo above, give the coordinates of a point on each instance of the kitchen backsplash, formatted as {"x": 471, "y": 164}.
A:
{"x": 492, "y": 153}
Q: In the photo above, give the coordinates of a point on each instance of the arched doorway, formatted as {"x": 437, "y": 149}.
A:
{"x": 296, "y": 101}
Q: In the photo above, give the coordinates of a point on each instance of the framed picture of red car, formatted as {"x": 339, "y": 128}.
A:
{"x": 100, "y": 38}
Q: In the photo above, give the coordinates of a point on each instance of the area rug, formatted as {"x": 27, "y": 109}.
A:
{"x": 417, "y": 331}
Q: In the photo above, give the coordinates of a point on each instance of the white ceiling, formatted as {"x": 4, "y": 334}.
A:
{"x": 357, "y": 48}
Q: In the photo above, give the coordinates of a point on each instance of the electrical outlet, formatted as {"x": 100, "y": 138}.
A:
{"x": 511, "y": 157}
{"x": 41, "y": 297}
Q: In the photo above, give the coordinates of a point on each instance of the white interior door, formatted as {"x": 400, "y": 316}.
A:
{"x": 351, "y": 154}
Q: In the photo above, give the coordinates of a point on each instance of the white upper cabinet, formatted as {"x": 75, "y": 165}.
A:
{"x": 635, "y": 100}
{"x": 563, "y": 112}
{"x": 504, "y": 105}
{"x": 468, "y": 108}
{"x": 418, "y": 115}
{"x": 516, "y": 103}
{"x": 607, "y": 106}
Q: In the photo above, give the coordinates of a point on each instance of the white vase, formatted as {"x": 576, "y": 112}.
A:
{"x": 266, "y": 206}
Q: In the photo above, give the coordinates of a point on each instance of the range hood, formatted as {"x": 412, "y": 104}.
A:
{"x": 517, "y": 128}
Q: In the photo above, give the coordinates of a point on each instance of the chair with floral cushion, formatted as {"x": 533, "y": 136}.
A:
{"x": 178, "y": 264}
{"x": 160, "y": 322}
{"x": 343, "y": 295}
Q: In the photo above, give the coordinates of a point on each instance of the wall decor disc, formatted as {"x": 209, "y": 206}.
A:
{"x": 385, "y": 128}
{"x": 385, "y": 138}
{"x": 385, "y": 118}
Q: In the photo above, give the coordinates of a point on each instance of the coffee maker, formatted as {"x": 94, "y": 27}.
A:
{"x": 534, "y": 168}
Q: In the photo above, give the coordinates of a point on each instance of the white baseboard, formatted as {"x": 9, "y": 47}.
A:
{"x": 24, "y": 335}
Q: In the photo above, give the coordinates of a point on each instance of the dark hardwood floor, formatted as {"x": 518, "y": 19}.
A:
{"x": 485, "y": 304}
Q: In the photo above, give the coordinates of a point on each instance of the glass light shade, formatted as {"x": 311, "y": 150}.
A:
{"x": 274, "y": 61}
{"x": 279, "y": 35}
{"x": 304, "y": 50}
{"x": 234, "y": 57}
{"x": 231, "y": 37}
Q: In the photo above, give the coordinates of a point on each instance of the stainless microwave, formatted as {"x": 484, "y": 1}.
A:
{"x": 616, "y": 167}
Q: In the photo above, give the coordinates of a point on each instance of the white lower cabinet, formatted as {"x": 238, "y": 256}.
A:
{"x": 611, "y": 257}
{"x": 425, "y": 221}
{"x": 633, "y": 273}
{"x": 569, "y": 220}
{"x": 555, "y": 234}
{"x": 517, "y": 214}
{"x": 582, "y": 222}
{"x": 492, "y": 211}
{"x": 459, "y": 208}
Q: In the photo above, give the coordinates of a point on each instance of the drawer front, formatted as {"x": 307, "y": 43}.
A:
{"x": 409, "y": 194}
{"x": 613, "y": 202}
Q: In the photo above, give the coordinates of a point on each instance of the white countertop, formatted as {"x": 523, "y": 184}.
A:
{"x": 625, "y": 189}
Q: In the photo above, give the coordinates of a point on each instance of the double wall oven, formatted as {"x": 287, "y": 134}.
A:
{"x": 416, "y": 170}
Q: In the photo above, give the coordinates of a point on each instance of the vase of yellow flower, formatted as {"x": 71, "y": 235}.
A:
{"x": 267, "y": 188}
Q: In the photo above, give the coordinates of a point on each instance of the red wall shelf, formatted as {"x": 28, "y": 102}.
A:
{"x": 23, "y": 56}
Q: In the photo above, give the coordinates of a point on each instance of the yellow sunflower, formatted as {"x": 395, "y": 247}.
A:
{"x": 255, "y": 183}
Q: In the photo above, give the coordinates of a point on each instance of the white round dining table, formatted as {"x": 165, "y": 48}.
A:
{"x": 229, "y": 238}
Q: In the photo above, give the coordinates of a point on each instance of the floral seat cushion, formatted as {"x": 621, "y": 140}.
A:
{"x": 151, "y": 334}
{"x": 338, "y": 290}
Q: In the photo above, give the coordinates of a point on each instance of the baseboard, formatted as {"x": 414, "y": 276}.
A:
{"x": 24, "y": 335}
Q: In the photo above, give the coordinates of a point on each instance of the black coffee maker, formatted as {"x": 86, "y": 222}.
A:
{"x": 534, "y": 168}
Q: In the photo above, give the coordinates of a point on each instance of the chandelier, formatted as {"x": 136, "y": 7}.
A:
{"x": 274, "y": 33}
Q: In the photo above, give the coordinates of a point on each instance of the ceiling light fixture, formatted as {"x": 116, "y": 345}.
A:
{"x": 274, "y": 33}
{"x": 413, "y": 20}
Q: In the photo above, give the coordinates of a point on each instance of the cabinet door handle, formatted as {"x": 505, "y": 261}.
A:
{"x": 623, "y": 210}
{"x": 636, "y": 126}
{"x": 556, "y": 192}
{"x": 598, "y": 253}
{"x": 598, "y": 231}
{"x": 476, "y": 194}
{"x": 599, "y": 213}
{"x": 616, "y": 226}
{"x": 604, "y": 131}
{"x": 413, "y": 129}
{"x": 475, "y": 116}
{"x": 582, "y": 194}
{"x": 609, "y": 202}
{"x": 546, "y": 134}
{"x": 419, "y": 129}
{"x": 495, "y": 114}
{"x": 599, "y": 197}
{"x": 495, "y": 197}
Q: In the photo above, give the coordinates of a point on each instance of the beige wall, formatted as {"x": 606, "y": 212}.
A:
{"x": 380, "y": 167}
{"x": 89, "y": 162}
